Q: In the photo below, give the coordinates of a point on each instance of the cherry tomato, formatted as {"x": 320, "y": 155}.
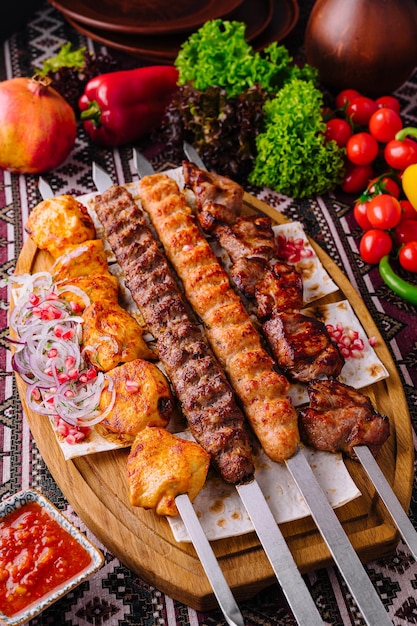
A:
{"x": 359, "y": 213}
{"x": 362, "y": 148}
{"x": 390, "y": 102}
{"x": 400, "y": 154}
{"x": 384, "y": 124}
{"x": 384, "y": 184}
{"x": 338, "y": 130}
{"x": 405, "y": 231}
{"x": 374, "y": 245}
{"x": 408, "y": 256}
{"x": 383, "y": 211}
{"x": 356, "y": 177}
{"x": 345, "y": 96}
{"x": 408, "y": 212}
{"x": 360, "y": 110}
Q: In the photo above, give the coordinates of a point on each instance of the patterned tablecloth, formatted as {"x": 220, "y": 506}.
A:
{"x": 115, "y": 595}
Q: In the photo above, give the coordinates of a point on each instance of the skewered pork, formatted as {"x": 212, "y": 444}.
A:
{"x": 211, "y": 188}
{"x": 200, "y": 384}
{"x": 112, "y": 336}
{"x": 234, "y": 340}
{"x": 143, "y": 398}
{"x": 161, "y": 466}
{"x": 340, "y": 417}
{"x": 59, "y": 222}
{"x": 302, "y": 346}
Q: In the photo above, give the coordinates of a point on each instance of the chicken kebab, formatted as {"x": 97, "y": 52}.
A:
{"x": 339, "y": 417}
{"x": 135, "y": 403}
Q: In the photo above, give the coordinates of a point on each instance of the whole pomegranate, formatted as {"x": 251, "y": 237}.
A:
{"x": 37, "y": 126}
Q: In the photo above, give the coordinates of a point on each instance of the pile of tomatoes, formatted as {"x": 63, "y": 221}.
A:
{"x": 378, "y": 151}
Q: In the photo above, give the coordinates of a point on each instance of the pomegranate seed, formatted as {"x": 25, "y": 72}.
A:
{"x": 132, "y": 386}
{"x": 34, "y": 299}
{"x": 68, "y": 334}
{"x": 36, "y": 394}
{"x": 69, "y": 362}
{"x": 52, "y": 353}
{"x": 75, "y": 307}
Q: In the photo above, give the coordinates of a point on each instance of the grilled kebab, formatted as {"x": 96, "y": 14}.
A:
{"x": 206, "y": 397}
{"x": 235, "y": 341}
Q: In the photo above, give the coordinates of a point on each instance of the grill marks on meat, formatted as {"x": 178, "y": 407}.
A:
{"x": 302, "y": 346}
{"x": 339, "y": 417}
{"x": 233, "y": 338}
{"x": 200, "y": 384}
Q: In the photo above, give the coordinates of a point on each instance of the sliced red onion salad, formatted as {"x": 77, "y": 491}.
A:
{"x": 48, "y": 357}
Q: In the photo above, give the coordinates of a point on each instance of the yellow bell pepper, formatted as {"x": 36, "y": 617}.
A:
{"x": 409, "y": 183}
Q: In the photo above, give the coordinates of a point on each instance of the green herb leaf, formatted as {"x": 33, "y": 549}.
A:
{"x": 66, "y": 57}
{"x": 293, "y": 156}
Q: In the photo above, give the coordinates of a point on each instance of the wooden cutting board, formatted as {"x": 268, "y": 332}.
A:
{"x": 96, "y": 486}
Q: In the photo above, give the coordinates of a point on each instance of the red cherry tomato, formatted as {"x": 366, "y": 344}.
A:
{"x": 375, "y": 244}
{"x": 405, "y": 231}
{"x": 356, "y": 178}
{"x": 338, "y": 130}
{"x": 345, "y": 96}
{"x": 408, "y": 256}
{"x": 362, "y": 148}
{"x": 360, "y": 110}
{"x": 384, "y": 124}
{"x": 359, "y": 213}
{"x": 384, "y": 184}
{"x": 383, "y": 211}
{"x": 408, "y": 212}
{"x": 400, "y": 154}
{"x": 390, "y": 102}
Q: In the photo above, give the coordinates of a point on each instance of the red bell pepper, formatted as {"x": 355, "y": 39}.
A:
{"x": 121, "y": 107}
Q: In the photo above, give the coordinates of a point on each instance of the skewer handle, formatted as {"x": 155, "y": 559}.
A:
{"x": 388, "y": 497}
{"x": 209, "y": 562}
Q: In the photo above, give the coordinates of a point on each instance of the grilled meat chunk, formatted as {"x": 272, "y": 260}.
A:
{"x": 97, "y": 287}
{"x": 249, "y": 236}
{"x": 279, "y": 288}
{"x": 112, "y": 336}
{"x": 57, "y": 223}
{"x": 143, "y": 398}
{"x": 232, "y": 336}
{"x": 340, "y": 417}
{"x": 210, "y": 187}
{"x": 161, "y": 466}
{"x": 207, "y": 401}
{"x": 302, "y": 346}
{"x": 85, "y": 259}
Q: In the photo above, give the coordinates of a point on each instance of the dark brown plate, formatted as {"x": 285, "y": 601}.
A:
{"x": 146, "y": 17}
{"x": 268, "y": 21}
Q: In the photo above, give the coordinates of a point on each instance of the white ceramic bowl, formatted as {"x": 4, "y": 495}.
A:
{"x": 32, "y": 495}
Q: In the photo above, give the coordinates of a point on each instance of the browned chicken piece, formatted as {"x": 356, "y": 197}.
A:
{"x": 232, "y": 336}
{"x": 340, "y": 417}
{"x": 143, "y": 398}
{"x": 161, "y": 466}
{"x": 96, "y": 287}
{"x": 112, "y": 336}
{"x": 85, "y": 259}
{"x": 205, "y": 395}
{"x": 302, "y": 346}
{"x": 57, "y": 223}
{"x": 210, "y": 187}
{"x": 249, "y": 236}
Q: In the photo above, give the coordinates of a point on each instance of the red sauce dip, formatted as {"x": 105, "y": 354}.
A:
{"x": 37, "y": 555}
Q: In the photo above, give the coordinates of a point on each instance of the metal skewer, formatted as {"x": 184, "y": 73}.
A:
{"x": 393, "y": 505}
{"x": 221, "y": 589}
{"x": 279, "y": 555}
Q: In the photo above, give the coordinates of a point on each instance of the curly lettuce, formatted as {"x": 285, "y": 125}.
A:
{"x": 219, "y": 55}
{"x": 292, "y": 154}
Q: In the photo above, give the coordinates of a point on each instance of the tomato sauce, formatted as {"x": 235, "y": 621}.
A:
{"x": 37, "y": 555}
